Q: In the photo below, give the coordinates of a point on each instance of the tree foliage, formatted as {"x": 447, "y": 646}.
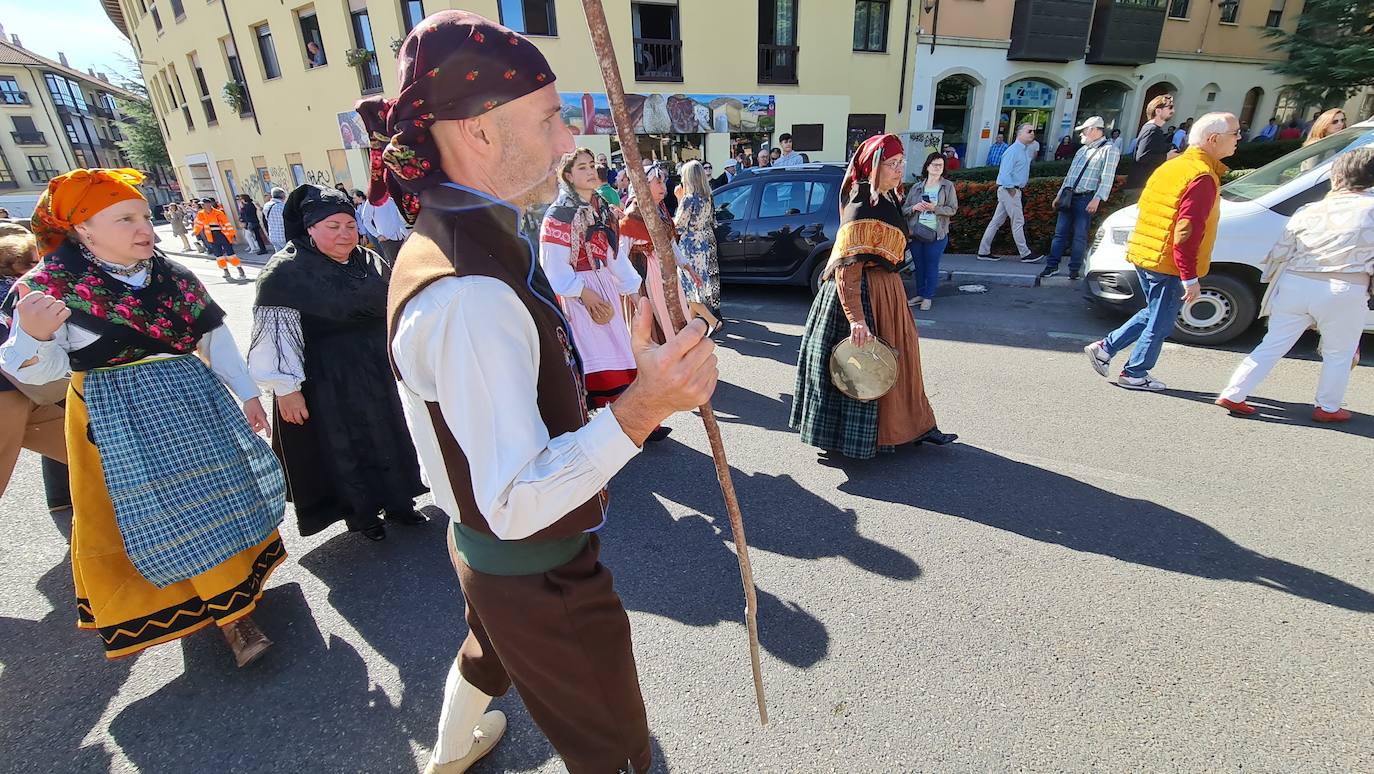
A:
{"x": 142, "y": 142}
{"x": 1330, "y": 56}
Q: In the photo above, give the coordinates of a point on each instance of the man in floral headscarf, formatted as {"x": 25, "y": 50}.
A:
{"x": 492, "y": 387}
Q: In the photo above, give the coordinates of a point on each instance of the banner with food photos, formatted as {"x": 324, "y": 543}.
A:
{"x": 590, "y": 113}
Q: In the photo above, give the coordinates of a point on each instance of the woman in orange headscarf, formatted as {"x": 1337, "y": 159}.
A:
{"x": 175, "y": 500}
{"x": 862, "y": 296}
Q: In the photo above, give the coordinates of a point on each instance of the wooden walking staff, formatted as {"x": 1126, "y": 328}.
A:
{"x": 663, "y": 248}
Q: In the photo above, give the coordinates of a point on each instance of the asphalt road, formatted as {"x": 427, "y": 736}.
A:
{"x": 1091, "y": 580}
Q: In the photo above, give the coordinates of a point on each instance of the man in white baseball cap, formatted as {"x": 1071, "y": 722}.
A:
{"x": 1086, "y": 186}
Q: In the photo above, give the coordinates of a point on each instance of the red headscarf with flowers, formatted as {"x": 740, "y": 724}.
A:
{"x": 866, "y": 162}
{"x": 453, "y": 65}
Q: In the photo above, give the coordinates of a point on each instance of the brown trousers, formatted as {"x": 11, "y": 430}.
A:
{"x": 24, "y": 425}
{"x": 563, "y": 639}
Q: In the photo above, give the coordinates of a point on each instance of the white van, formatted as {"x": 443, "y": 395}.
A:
{"x": 1254, "y": 210}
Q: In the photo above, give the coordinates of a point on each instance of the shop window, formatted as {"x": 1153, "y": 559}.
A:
{"x": 267, "y": 52}
{"x": 1104, "y": 98}
{"x": 412, "y": 11}
{"x": 531, "y": 17}
{"x": 311, "y": 38}
{"x": 808, "y": 137}
{"x": 860, "y": 127}
{"x": 1178, "y": 9}
{"x": 953, "y": 104}
{"x": 870, "y": 25}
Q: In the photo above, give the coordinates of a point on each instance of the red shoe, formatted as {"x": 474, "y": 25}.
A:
{"x": 1320, "y": 414}
{"x": 1242, "y": 408}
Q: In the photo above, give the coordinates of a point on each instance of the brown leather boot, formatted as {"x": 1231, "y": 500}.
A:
{"x": 246, "y": 640}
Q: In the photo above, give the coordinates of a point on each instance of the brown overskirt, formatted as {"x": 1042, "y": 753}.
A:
{"x": 904, "y": 413}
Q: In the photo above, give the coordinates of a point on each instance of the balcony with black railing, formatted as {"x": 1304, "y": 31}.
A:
{"x": 1049, "y": 30}
{"x": 29, "y": 138}
{"x": 103, "y": 112}
{"x": 107, "y": 144}
{"x": 14, "y": 98}
{"x": 658, "y": 60}
{"x": 777, "y": 64}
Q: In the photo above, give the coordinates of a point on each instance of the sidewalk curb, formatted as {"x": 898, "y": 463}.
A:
{"x": 1006, "y": 279}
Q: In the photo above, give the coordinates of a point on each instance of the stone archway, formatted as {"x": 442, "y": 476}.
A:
{"x": 1107, "y": 99}
{"x": 1250, "y": 107}
{"x": 955, "y": 98}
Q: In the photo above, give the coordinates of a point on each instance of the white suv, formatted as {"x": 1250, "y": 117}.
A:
{"x": 1254, "y": 210}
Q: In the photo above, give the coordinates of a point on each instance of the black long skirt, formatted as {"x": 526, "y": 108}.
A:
{"x": 353, "y": 458}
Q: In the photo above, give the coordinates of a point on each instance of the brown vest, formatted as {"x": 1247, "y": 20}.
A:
{"x": 462, "y": 234}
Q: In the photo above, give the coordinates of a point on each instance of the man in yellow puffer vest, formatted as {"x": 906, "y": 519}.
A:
{"x": 1171, "y": 247}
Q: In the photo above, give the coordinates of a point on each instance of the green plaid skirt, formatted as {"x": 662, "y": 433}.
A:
{"x": 826, "y": 417}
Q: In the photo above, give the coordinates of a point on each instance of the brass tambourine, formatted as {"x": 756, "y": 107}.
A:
{"x": 863, "y": 373}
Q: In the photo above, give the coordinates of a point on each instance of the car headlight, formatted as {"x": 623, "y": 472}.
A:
{"x": 1121, "y": 236}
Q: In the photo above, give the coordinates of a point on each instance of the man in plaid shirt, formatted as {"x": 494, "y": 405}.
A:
{"x": 1089, "y": 182}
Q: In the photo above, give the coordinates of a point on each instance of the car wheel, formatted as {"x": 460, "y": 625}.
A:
{"x": 816, "y": 270}
{"x": 1225, "y": 309}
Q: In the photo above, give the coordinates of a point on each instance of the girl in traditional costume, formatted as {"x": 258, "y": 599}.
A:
{"x": 577, "y": 250}
{"x": 862, "y": 296}
{"x": 638, "y": 248}
{"x": 319, "y": 344}
{"x": 175, "y": 500}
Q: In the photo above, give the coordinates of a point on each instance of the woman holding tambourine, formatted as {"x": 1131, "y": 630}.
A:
{"x": 862, "y": 300}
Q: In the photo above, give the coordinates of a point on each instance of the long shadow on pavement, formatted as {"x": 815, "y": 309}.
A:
{"x": 682, "y": 569}
{"x": 1053, "y": 508}
{"x": 55, "y": 685}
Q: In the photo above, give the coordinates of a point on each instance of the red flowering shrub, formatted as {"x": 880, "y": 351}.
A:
{"x": 978, "y": 202}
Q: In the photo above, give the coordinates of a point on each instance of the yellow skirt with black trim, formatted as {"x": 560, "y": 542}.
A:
{"x": 112, "y": 598}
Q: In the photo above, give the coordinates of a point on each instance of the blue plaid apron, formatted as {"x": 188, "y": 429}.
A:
{"x": 191, "y": 483}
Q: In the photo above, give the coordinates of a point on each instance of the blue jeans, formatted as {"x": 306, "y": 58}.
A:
{"x": 1150, "y": 326}
{"x": 926, "y": 256}
{"x": 1072, "y": 223}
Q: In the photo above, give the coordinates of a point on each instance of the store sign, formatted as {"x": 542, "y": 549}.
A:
{"x": 1029, "y": 94}
{"x": 588, "y": 113}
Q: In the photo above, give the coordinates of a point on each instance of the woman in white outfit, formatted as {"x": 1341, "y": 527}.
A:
{"x": 1318, "y": 274}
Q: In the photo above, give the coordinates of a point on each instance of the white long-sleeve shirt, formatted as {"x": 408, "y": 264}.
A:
{"x": 385, "y": 221}
{"x": 470, "y": 345}
{"x": 568, "y": 283}
{"x": 218, "y": 347}
{"x": 276, "y": 355}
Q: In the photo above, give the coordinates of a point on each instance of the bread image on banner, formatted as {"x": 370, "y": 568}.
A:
{"x": 656, "y": 118}
{"x": 725, "y": 113}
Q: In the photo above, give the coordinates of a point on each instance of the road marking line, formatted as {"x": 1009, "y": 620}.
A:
{"x": 1071, "y": 336}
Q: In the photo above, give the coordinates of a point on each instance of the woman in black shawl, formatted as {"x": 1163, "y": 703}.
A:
{"x": 319, "y": 345}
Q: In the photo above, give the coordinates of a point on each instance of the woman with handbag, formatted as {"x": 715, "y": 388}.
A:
{"x": 929, "y": 206}
{"x": 862, "y": 298}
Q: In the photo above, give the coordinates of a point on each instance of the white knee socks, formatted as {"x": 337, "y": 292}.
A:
{"x": 463, "y": 707}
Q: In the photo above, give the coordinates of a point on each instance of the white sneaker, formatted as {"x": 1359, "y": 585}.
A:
{"x": 484, "y": 738}
{"x": 1145, "y": 382}
{"x": 1097, "y": 354}
{"x": 914, "y": 301}
{"x": 925, "y": 305}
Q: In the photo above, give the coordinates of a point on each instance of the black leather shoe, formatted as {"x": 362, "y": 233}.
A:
{"x": 936, "y": 437}
{"x": 377, "y": 532}
{"x": 407, "y": 516}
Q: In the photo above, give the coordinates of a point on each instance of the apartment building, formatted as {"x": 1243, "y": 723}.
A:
{"x": 988, "y": 65}
{"x": 256, "y": 94}
{"x": 53, "y": 119}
